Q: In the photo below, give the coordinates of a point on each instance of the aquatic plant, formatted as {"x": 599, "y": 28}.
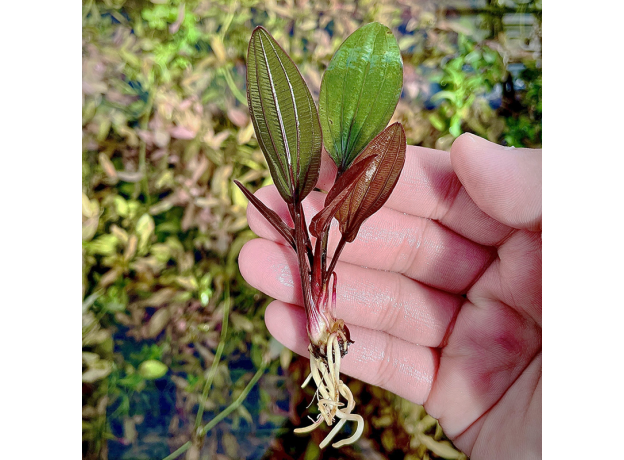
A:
{"x": 359, "y": 92}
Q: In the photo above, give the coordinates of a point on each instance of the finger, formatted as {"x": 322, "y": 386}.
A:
{"x": 515, "y": 278}
{"x": 382, "y": 301}
{"x": 419, "y": 248}
{"x": 503, "y": 181}
{"x": 375, "y": 357}
{"x": 428, "y": 187}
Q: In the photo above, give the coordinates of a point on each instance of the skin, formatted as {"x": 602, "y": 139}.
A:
{"x": 441, "y": 291}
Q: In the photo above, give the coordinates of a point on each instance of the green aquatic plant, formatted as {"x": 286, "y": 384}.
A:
{"x": 359, "y": 92}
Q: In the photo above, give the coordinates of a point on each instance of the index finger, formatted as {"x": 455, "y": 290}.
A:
{"x": 428, "y": 187}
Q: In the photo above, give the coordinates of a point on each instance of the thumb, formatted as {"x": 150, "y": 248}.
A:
{"x": 505, "y": 182}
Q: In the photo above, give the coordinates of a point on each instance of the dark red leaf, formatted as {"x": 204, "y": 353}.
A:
{"x": 270, "y": 215}
{"x": 338, "y": 193}
{"x": 373, "y": 188}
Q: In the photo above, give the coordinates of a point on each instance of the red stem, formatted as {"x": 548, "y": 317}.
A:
{"x": 303, "y": 250}
{"x": 332, "y": 265}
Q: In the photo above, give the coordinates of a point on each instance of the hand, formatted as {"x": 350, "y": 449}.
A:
{"x": 441, "y": 291}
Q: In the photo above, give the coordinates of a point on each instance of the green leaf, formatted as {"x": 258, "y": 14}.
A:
{"x": 359, "y": 92}
{"x": 104, "y": 245}
{"x": 437, "y": 122}
{"x": 144, "y": 229}
{"x": 449, "y": 95}
{"x": 373, "y": 188}
{"x": 284, "y": 117}
{"x": 455, "y": 128}
{"x": 152, "y": 369}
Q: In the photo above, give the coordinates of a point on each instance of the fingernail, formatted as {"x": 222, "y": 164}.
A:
{"x": 471, "y": 137}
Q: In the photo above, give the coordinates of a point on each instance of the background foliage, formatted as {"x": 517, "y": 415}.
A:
{"x": 166, "y": 314}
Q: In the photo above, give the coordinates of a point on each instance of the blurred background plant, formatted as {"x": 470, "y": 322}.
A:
{"x": 170, "y": 328}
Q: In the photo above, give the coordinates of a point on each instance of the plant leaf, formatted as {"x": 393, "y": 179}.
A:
{"x": 340, "y": 192}
{"x": 270, "y": 215}
{"x": 373, "y": 188}
{"x": 284, "y": 117}
{"x": 359, "y": 92}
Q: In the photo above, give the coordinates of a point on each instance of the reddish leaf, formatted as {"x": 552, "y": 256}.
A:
{"x": 339, "y": 192}
{"x": 373, "y": 188}
{"x": 270, "y": 215}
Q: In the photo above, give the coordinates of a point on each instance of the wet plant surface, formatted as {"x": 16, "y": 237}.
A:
{"x": 169, "y": 325}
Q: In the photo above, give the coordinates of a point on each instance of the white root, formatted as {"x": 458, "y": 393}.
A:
{"x": 347, "y": 415}
{"x": 312, "y": 401}
{"x": 310, "y": 428}
{"x": 329, "y": 388}
{"x": 343, "y": 419}
{"x": 307, "y": 380}
{"x": 317, "y": 377}
{"x": 358, "y": 432}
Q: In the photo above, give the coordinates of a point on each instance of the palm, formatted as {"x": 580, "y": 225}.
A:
{"x": 443, "y": 303}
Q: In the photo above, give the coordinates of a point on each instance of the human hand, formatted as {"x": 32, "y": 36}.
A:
{"x": 441, "y": 291}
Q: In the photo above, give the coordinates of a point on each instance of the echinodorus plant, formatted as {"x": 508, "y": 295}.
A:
{"x": 359, "y": 92}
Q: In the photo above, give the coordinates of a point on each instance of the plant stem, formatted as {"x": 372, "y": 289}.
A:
{"x": 298, "y": 217}
{"x": 230, "y": 82}
{"x": 186, "y": 446}
{"x": 226, "y": 25}
{"x": 217, "y": 358}
{"x": 332, "y": 265}
{"x": 224, "y": 413}
{"x": 306, "y": 264}
{"x": 324, "y": 241}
